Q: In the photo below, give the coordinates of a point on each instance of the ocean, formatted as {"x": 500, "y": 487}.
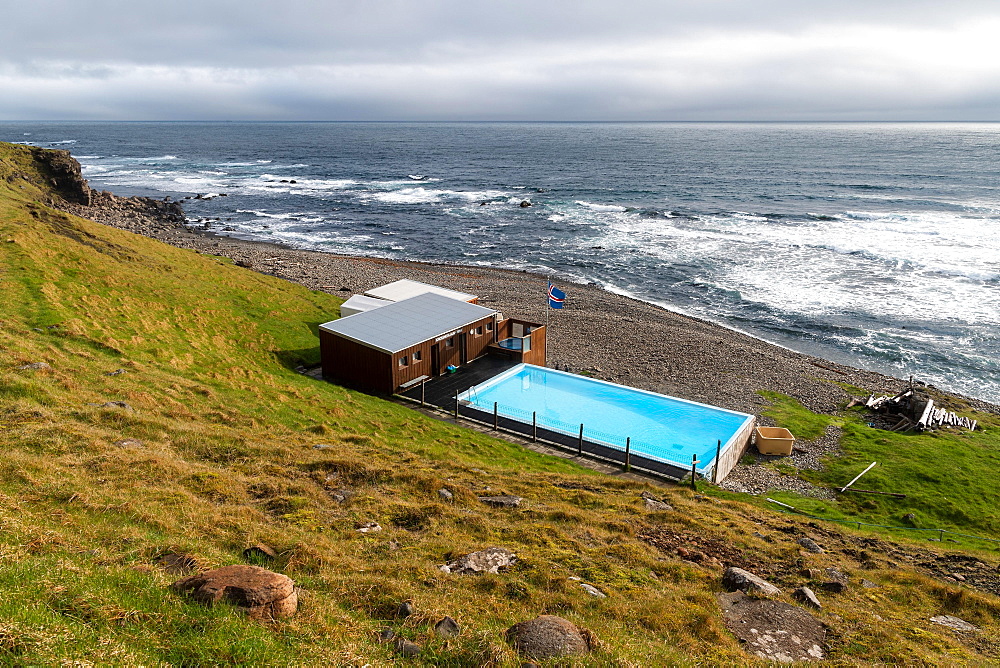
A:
{"x": 873, "y": 245}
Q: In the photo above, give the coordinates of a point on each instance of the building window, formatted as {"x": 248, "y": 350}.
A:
{"x": 416, "y": 356}
{"x": 489, "y": 326}
{"x": 404, "y": 361}
{"x": 478, "y": 331}
{"x": 449, "y": 343}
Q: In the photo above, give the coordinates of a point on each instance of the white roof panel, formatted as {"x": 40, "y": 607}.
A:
{"x": 359, "y": 303}
{"x": 406, "y": 323}
{"x": 404, "y": 288}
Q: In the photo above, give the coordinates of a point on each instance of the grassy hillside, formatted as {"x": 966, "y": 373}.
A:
{"x": 215, "y": 450}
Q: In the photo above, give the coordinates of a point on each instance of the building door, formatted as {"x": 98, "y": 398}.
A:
{"x": 436, "y": 359}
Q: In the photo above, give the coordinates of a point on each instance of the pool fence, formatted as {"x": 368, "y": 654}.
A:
{"x": 582, "y": 440}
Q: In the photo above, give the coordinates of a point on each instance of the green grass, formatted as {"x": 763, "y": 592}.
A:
{"x": 945, "y": 474}
{"x": 226, "y": 460}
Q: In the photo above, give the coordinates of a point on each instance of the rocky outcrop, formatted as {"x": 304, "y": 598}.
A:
{"x": 772, "y": 630}
{"x": 64, "y": 174}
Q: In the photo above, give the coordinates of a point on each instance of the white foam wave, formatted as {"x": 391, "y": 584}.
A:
{"x": 422, "y": 195}
{"x": 611, "y": 208}
{"x": 62, "y": 142}
{"x": 88, "y": 157}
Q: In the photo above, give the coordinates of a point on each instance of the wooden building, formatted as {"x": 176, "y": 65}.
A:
{"x": 403, "y": 343}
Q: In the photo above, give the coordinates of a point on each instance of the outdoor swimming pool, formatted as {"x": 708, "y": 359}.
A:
{"x": 661, "y": 428}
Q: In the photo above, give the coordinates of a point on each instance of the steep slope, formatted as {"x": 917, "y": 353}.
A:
{"x": 152, "y": 419}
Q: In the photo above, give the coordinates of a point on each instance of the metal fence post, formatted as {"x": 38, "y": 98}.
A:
{"x": 715, "y": 469}
{"x": 628, "y": 454}
{"x": 579, "y": 444}
{"x": 456, "y": 407}
{"x": 496, "y": 418}
{"x": 694, "y": 471}
{"x": 534, "y": 426}
{"x": 423, "y": 393}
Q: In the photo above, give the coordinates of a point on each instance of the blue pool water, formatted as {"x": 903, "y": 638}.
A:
{"x": 661, "y": 427}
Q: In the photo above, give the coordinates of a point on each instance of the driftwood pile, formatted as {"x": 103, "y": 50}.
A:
{"x": 914, "y": 412}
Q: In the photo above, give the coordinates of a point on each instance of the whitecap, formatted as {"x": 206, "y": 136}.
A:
{"x": 611, "y": 208}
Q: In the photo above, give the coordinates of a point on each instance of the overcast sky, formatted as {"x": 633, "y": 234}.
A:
{"x": 497, "y": 60}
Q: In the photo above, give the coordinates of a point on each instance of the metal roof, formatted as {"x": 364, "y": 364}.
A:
{"x": 406, "y": 323}
{"x": 404, "y": 288}
{"x": 360, "y": 303}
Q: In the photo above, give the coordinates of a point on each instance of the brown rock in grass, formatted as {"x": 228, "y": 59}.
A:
{"x": 548, "y": 636}
{"x": 260, "y": 552}
{"x": 263, "y": 594}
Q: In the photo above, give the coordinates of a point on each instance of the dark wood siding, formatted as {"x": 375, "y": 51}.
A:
{"x": 537, "y": 353}
{"x": 354, "y": 364}
{"x": 351, "y": 363}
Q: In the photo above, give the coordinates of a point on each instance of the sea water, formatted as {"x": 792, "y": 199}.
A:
{"x": 874, "y": 245}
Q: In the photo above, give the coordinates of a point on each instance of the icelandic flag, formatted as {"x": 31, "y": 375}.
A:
{"x": 556, "y": 297}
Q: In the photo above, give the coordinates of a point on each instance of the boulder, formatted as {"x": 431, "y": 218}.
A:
{"x": 405, "y": 609}
{"x": 367, "y": 527}
{"x": 128, "y": 443}
{"x": 658, "y": 506}
{"x": 738, "y": 579}
{"x": 811, "y": 545}
{"x": 490, "y": 560}
{"x": 502, "y": 501}
{"x": 34, "y": 366}
{"x": 445, "y": 494}
{"x": 592, "y": 590}
{"x": 548, "y": 636}
{"x": 263, "y": 594}
{"x": 260, "y": 552}
{"x": 807, "y": 596}
{"x": 954, "y": 623}
{"x": 404, "y": 647}
{"x": 447, "y": 628}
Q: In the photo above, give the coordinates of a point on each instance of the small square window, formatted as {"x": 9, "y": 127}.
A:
{"x": 448, "y": 343}
{"x": 489, "y": 326}
{"x": 416, "y": 356}
{"x": 404, "y": 361}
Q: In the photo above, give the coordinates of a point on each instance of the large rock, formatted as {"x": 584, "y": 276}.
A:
{"x": 954, "y": 623}
{"x": 502, "y": 501}
{"x": 738, "y": 579}
{"x": 490, "y": 560}
{"x": 772, "y": 630}
{"x": 262, "y": 593}
{"x": 807, "y": 596}
{"x": 549, "y": 636}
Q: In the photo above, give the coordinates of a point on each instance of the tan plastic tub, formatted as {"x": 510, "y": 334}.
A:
{"x": 774, "y": 441}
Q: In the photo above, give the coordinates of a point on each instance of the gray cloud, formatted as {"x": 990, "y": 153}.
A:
{"x": 474, "y": 60}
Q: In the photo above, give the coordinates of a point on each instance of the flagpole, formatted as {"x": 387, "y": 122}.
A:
{"x": 548, "y": 283}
